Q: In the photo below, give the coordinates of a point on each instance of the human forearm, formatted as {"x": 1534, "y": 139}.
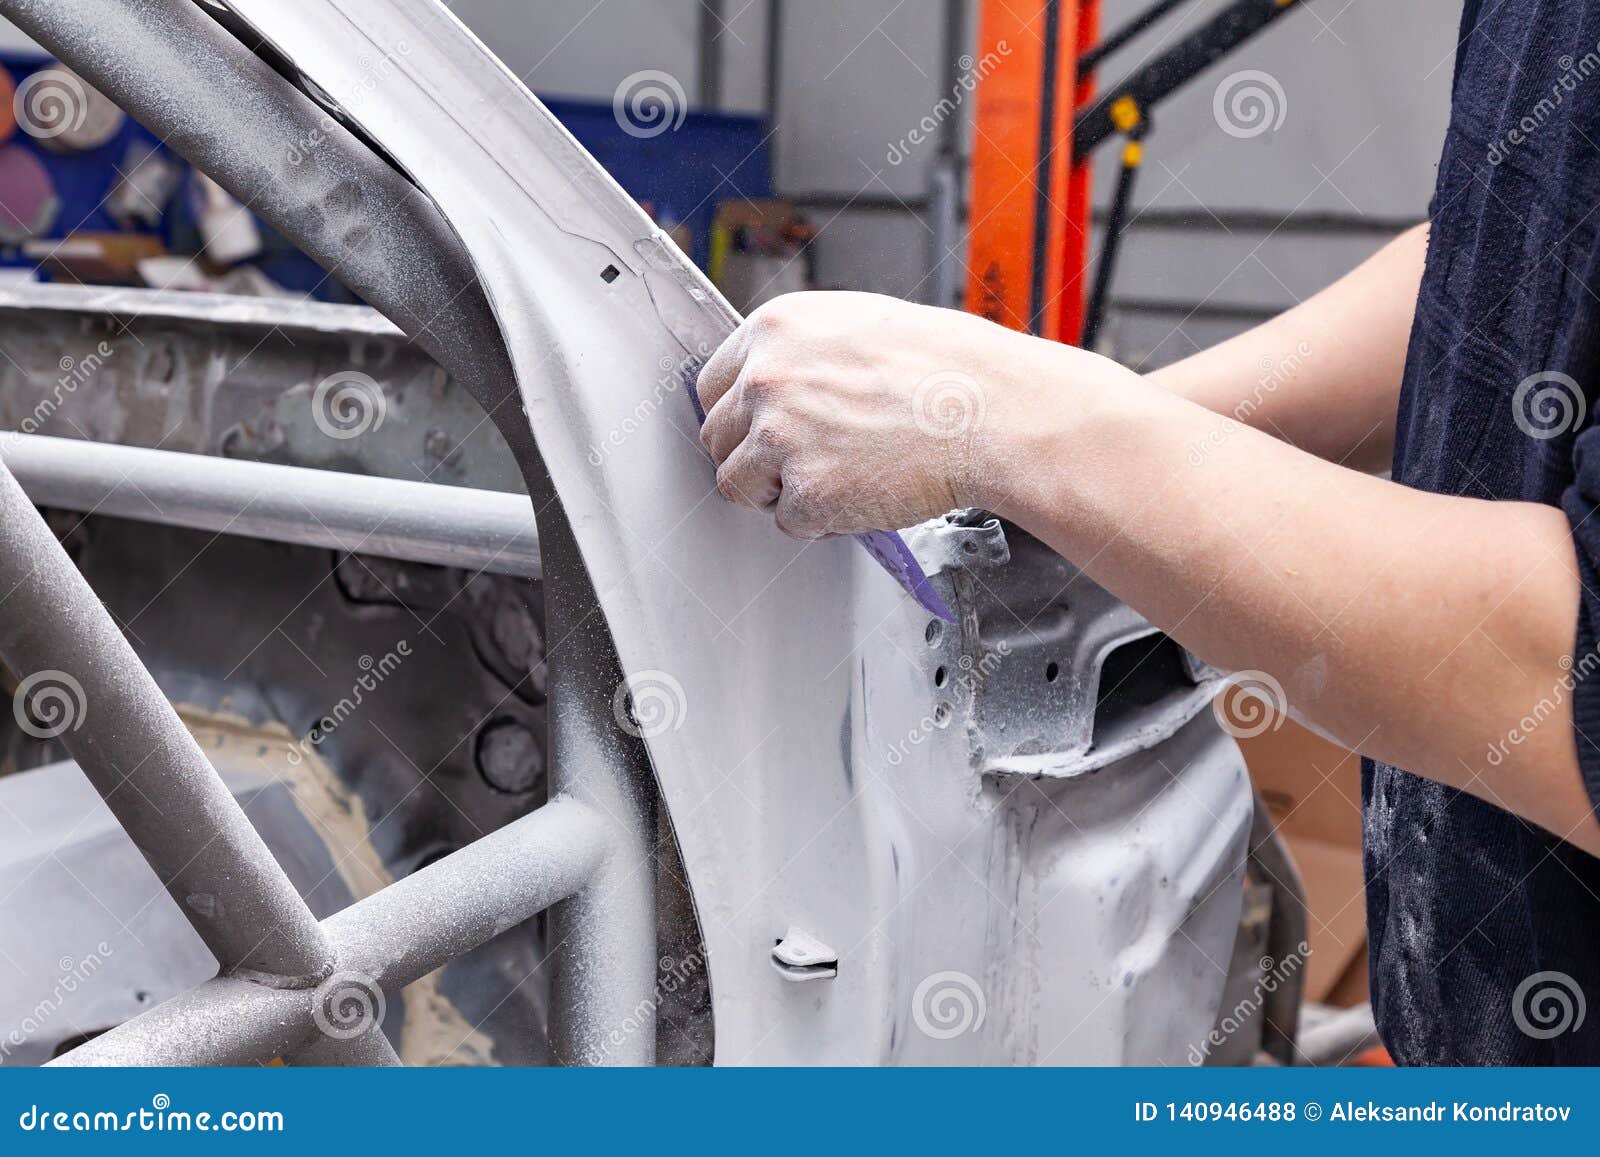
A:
{"x": 1324, "y": 376}
{"x": 1415, "y": 628}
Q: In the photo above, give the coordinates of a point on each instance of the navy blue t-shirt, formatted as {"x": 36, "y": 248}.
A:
{"x": 1485, "y": 930}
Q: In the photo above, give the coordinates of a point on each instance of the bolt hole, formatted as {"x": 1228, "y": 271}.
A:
{"x": 935, "y": 633}
{"x": 609, "y": 274}
{"x": 940, "y": 677}
{"x": 1052, "y": 672}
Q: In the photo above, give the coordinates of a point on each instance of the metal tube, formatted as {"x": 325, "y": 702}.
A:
{"x": 602, "y": 940}
{"x": 82, "y": 683}
{"x": 417, "y": 924}
{"x": 1337, "y": 1036}
{"x": 224, "y": 1022}
{"x": 171, "y": 67}
{"x": 386, "y": 517}
{"x": 386, "y": 941}
{"x": 370, "y": 1050}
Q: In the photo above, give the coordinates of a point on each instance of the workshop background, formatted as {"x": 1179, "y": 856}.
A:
{"x": 802, "y": 161}
{"x": 1226, "y": 230}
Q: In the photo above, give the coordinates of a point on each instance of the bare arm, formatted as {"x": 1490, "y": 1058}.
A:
{"x": 1324, "y": 376}
{"x": 1416, "y": 628}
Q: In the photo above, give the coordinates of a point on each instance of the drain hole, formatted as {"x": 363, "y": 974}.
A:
{"x": 940, "y": 677}
{"x": 1052, "y": 672}
{"x": 609, "y": 274}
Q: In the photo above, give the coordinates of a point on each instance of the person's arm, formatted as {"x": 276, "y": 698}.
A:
{"x": 1324, "y": 376}
{"x": 1416, "y": 628}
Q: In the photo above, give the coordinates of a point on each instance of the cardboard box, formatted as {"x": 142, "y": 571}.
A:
{"x": 1312, "y": 789}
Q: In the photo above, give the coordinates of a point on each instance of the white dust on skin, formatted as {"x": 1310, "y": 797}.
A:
{"x": 433, "y": 1032}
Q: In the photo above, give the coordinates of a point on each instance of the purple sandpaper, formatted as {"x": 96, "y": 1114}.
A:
{"x": 886, "y": 546}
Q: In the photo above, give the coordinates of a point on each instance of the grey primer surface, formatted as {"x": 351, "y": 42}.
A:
{"x": 1017, "y": 838}
{"x": 819, "y": 754}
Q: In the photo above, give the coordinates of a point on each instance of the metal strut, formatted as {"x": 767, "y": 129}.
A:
{"x": 84, "y": 684}
{"x": 171, "y": 66}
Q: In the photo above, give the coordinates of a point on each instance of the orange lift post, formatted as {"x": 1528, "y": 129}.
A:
{"x": 1029, "y": 202}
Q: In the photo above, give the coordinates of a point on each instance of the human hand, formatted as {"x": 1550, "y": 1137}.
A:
{"x": 847, "y": 412}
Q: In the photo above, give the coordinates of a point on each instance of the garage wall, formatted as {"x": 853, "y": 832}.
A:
{"x": 1230, "y": 226}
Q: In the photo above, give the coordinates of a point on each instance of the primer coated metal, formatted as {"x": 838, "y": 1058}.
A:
{"x": 384, "y": 942}
{"x": 822, "y": 769}
{"x": 413, "y": 521}
{"x": 171, "y": 66}
{"x": 817, "y": 773}
{"x": 86, "y": 685}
